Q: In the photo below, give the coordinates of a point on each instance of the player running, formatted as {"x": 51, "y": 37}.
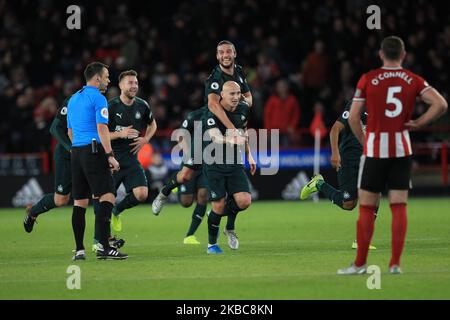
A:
{"x": 389, "y": 94}
{"x": 63, "y": 176}
{"x": 346, "y": 153}
{"x": 129, "y": 116}
{"x": 226, "y": 70}
{"x": 189, "y": 180}
{"x": 225, "y": 173}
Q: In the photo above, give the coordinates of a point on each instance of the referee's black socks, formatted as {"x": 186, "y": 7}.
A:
{"x": 78, "y": 225}
{"x": 102, "y": 222}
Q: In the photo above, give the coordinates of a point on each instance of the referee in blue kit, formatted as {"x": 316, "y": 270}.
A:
{"x": 92, "y": 159}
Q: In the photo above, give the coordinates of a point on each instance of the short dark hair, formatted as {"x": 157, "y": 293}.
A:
{"x": 123, "y": 74}
{"x": 226, "y": 42}
{"x": 94, "y": 68}
{"x": 392, "y": 47}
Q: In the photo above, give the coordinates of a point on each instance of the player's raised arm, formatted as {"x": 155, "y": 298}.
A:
{"x": 215, "y": 107}
{"x": 334, "y": 141}
{"x": 217, "y": 137}
{"x": 248, "y": 98}
{"x": 438, "y": 106}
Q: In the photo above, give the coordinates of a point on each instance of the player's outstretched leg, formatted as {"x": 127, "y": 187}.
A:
{"x": 29, "y": 220}
{"x": 47, "y": 203}
{"x": 197, "y": 217}
{"x": 213, "y": 233}
{"x": 132, "y": 199}
{"x": 311, "y": 187}
{"x": 231, "y": 211}
{"x": 194, "y": 188}
{"x": 163, "y": 195}
{"x": 159, "y": 203}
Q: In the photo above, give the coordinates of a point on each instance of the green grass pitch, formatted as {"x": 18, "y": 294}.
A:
{"x": 288, "y": 250}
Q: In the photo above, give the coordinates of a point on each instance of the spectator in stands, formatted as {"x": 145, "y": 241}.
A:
{"x": 38, "y": 52}
{"x": 315, "y": 71}
{"x": 282, "y": 111}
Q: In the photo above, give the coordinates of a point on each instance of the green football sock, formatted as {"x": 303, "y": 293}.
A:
{"x": 331, "y": 193}
{"x": 45, "y": 204}
{"x": 197, "y": 217}
{"x": 213, "y": 227}
{"x": 128, "y": 202}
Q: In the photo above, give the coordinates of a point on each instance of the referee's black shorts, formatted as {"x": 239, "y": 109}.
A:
{"x": 377, "y": 175}
{"x": 91, "y": 174}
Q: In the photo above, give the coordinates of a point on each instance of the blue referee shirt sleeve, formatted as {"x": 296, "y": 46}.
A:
{"x": 101, "y": 109}
{"x": 69, "y": 124}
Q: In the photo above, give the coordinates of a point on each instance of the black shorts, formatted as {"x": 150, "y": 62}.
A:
{"x": 63, "y": 176}
{"x": 131, "y": 175}
{"x": 91, "y": 174}
{"x": 198, "y": 181}
{"x": 377, "y": 175}
{"x": 348, "y": 180}
{"x": 191, "y": 165}
{"x": 222, "y": 182}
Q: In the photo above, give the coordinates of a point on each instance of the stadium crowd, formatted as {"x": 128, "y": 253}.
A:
{"x": 298, "y": 57}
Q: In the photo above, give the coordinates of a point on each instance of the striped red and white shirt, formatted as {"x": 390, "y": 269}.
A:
{"x": 389, "y": 95}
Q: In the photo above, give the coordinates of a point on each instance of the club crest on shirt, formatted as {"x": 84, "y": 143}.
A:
{"x": 137, "y": 115}
{"x": 345, "y": 115}
{"x": 104, "y": 113}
